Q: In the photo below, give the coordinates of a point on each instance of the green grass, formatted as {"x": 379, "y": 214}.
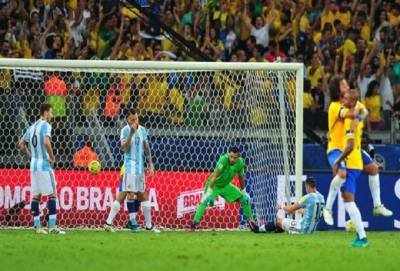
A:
{"x": 214, "y": 251}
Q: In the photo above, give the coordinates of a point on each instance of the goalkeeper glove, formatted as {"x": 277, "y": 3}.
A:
{"x": 246, "y": 196}
{"x": 207, "y": 198}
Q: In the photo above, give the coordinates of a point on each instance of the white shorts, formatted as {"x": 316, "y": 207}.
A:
{"x": 292, "y": 226}
{"x": 43, "y": 182}
{"x": 133, "y": 183}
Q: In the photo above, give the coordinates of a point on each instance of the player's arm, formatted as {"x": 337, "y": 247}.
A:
{"x": 49, "y": 150}
{"x": 22, "y": 146}
{"x": 125, "y": 141}
{"x": 147, "y": 153}
{"x": 349, "y": 146}
{"x": 214, "y": 177}
{"x": 290, "y": 209}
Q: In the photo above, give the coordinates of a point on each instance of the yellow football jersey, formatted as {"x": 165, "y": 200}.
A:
{"x": 336, "y": 132}
{"x": 122, "y": 171}
{"x": 354, "y": 159}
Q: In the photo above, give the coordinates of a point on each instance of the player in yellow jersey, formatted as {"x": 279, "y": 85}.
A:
{"x": 336, "y": 115}
{"x": 354, "y": 165}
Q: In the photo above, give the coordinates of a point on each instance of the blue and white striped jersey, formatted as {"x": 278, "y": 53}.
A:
{"x": 313, "y": 204}
{"x": 134, "y": 156}
{"x": 35, "y": 136}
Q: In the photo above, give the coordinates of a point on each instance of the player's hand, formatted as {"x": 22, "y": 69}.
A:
{"x": 150, "y": 171}
{"x": 246, "y": 196}
{"x": 207, "y": 198}
{"x": 52, "y": 161}
{"x": 335, "y": 168}
{"x": 134, "y": 127}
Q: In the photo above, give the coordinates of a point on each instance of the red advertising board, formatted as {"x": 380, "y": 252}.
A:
{"x": 84, "y": 200}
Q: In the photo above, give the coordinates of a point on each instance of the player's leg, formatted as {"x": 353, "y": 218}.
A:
{"x": 48, "y": 187}
{"x": 374, "y": 185}
{"x": 133, "y": 206}
{"x": 289, "y": 225}
{"x": 206, "y": 200}
{"x": 348, "y": 192}
{"x": 334, "y": 187}
{"x": 231, "y": 193}
{"x": 144, "y": 198}
{"x": 115, "y": 207}
{"x": 35, "y": 202}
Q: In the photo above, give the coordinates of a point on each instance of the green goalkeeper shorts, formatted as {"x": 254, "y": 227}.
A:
{"x": 230, "y": 192}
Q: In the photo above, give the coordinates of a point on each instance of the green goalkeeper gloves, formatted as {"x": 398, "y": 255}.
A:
{"x": 208, "y": 199}
{"x": 246, "y": 196}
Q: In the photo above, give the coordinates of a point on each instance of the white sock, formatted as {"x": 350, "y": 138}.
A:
{"x": 375, "y": 187}
{"x": 355, "y": 216}
{"x": 147, "y": 213}
{"x": 334, "y": 188}
{"x": 113, "y": 211}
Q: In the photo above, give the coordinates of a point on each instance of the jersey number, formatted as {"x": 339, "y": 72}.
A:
{"x": 34, "y": 140}
{"x": 320, "y": 206}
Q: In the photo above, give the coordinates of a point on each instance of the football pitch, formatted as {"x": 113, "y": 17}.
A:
{"x": 210, "y": 250}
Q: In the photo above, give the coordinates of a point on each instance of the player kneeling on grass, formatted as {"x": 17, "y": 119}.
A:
{"x": 135, "y": 145}
{"x": 311, "y": 205}
{"x": 219, "y": 184}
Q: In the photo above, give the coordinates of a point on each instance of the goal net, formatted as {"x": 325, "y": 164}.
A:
{"x": 193, "y": 113}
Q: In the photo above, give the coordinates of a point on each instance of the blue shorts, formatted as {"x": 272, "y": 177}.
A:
{"x": 351, "y": 179}
{"x": 333, "y": 155}
{"x": 367, "y": 160}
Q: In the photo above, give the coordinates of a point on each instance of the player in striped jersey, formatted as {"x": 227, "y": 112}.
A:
{"x": 115, "y": 207}
{"x": 337, "y": 113}
{"x": 43, "y": 182}
{"x": 311, "y": 205}
{"x": 354, "y": 166}
{"x": 135, "y": 145}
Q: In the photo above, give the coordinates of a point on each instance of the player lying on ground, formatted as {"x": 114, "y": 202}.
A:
{"x": 219, "y": 184}
{"x": 354, "y": 165}
{"x": 337, "y": 114}
{"x": 115, "y": 207}
{"x": 43, "y": 181}
{"x": 311, "y": 205}
{"x": 135, "y": 145}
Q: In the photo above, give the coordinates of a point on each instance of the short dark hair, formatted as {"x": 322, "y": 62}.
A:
{"x": 334, "y": 87}
{"x": 132, "y": 111}
{"x": 44, "y": 108}
{"x": 234, "y": 149}
{"x": 310, "y": 181}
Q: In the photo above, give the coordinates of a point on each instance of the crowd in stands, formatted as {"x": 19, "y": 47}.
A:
{"x": 359, "y": 39}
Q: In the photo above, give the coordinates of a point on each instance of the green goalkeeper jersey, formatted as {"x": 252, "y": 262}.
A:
{"x": 227, "y": 170}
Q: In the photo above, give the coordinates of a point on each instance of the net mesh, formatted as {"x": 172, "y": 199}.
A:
{"x": 192, "y": 117}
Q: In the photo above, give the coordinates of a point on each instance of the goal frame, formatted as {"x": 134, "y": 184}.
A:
{"x": 147, "y": 66}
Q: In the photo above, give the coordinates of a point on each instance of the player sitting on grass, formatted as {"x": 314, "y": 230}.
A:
{"x": 219, "y": 184}
{"x": 135, "y": 145}
{"x": 120, "y": 200}
{"x": 311, "y": 205}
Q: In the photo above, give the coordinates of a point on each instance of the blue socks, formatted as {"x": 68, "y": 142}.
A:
{"x": 35, "y": 213}
{"x": 52, "y": 206}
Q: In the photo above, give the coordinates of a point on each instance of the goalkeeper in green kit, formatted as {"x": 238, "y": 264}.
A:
{"x": 219, "y": 184}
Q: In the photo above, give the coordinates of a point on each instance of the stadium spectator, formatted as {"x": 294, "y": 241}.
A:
{"x": 85, "y": 155}
{"x": 374, "y": 104}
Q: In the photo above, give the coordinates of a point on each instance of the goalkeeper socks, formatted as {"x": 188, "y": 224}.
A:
{"x": 246, "y": 209}
{"x": 375, "y": 187}
{"x": 52, "y": 206}
{"x": 35, "y": 213}
{"x": 147, "y": 214}
{"x": 355, "y": 216}
{"x": 334, "y": 188}
{"x": 199, "y": 212}
{"x": 115, "y": 206}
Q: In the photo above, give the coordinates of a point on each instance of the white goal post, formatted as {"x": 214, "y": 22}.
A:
{"x": 193, "y": 111}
